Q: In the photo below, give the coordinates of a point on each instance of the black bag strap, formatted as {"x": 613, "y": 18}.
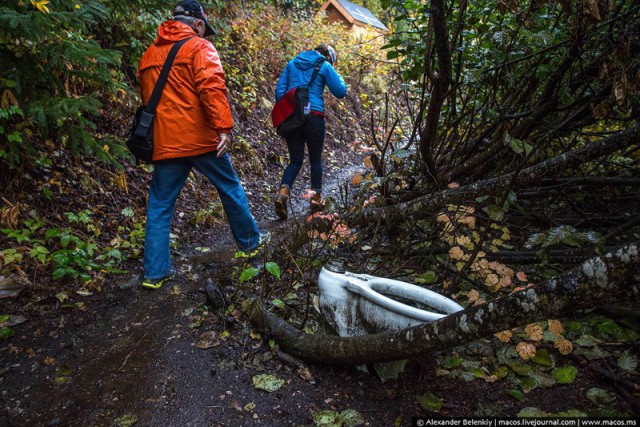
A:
{"x": 164, "y": 74}
{"x": 315, "y": 72}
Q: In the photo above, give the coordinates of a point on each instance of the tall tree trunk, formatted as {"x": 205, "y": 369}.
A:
{"x": 441, "y": 82}
{"x": 610, "y": 279}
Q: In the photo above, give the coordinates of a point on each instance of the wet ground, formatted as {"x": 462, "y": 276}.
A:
{"x": 133, "y": 356}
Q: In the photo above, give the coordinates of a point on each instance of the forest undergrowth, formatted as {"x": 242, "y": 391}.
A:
{"x": 496, "y": 153}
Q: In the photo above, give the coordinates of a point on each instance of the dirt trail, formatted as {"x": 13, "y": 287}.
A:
{"x": 132, "y": 357}
{"x": 138, "y": 359}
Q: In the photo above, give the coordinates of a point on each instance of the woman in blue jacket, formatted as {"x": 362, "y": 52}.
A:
{"x": 297, "y": 73}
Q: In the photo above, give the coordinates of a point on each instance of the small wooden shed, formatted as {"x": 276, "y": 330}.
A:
{"x": 357, "y": 19}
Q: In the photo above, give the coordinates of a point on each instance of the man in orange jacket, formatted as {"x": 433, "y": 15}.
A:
{"x": 192, "y": 128}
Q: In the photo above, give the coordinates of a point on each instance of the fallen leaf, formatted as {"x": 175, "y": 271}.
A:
{"x": 504, "y": 336}
{"x": 526, "y": 350}
{"x": 555, "y": 327}
{"x": 565, "y": 375}
{"x": 12, "y": 321}
{"x": 266, "y": 382}
{"x": 564, "y": 346}
{"x": 125, "y": 421}
{"x": 473, "y": 296}
{"x": 534, "y": 331}
{"x": 600, "y": 396}
{"x": 441, "y": 372}
{"x": 430, "y": 402}
{"x": 627, "y": 361}
{"x": 208, "y": 340}
{"x": 306, "y": 375}
{"x": 456, "y": 252}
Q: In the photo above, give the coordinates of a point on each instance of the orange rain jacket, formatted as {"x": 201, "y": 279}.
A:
{"x": 193, "y": 107}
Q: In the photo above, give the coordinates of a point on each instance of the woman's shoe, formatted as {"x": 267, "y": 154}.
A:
{"x": 316, "y": 204}
{"x": 280, "y": 202}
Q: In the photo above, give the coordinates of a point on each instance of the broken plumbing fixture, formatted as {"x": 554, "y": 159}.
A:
{"x": 359, "y": 304}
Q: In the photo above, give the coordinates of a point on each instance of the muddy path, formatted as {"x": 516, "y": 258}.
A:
{"x": 132, "y": 356}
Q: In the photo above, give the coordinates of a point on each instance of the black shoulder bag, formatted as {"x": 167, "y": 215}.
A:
{"x": 140, "y": 141}
{"x": 302, "y": 108}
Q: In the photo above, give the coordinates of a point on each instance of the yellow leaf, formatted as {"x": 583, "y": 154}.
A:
{"x": 491, "y": 280}
{"x": 367, "y": 162}
{"x": 555, "y": 327}
{"x": 534, "y": 332}
{"x": 564, "y": 346}
{"x": 473, "y": 296}
{"x": 526, "y": 350}
{"x": 41, "y": 5}
{"x": 8, "y": 99}
{"x": 504, "y": 336}
{"x": 443, "y": 217}
{"x": 456, "y": 253}
{"x": 357, "y": 179}
{"x": 504, "y": 282}
{"x": 463, "y": 240}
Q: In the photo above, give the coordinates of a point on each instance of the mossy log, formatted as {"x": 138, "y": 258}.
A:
{"x": 611, "y": 279}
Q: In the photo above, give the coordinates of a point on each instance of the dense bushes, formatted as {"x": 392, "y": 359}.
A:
{"x": 261, "y": 40}
{"x": 67, "y": 89}
{"x": 66, "y": 67}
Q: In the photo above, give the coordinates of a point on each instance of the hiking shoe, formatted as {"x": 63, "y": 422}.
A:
{"x": 280, "y": 202}
{"x": 157, "y": 283}
{"x": 316, "y": 204}
{"x": 265, "y": 238}
{"x": 281, "y": 206}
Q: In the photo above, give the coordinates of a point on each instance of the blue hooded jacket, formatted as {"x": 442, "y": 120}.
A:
{"x": 298, "y": 72}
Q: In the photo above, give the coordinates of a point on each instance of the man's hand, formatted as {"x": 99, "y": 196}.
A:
{"x": 223, "y": 143}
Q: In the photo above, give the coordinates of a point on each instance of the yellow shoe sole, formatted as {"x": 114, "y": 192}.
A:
{"x": 146, "y": 283}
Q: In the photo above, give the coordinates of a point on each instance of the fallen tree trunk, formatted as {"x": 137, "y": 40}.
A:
{"x": 610, "y": 279}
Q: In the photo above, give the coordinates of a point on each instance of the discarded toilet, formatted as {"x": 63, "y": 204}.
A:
{"x": 359, "y": 304}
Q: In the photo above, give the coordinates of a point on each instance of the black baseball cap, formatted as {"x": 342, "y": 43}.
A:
{"x": 194, "y": 9}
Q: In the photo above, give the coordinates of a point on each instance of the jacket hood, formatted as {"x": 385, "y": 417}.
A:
{"x": 308, "y": 59}
{"x": 172, "y": 31}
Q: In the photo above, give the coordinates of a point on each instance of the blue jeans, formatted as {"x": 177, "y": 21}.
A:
{"x": 312, "y": 133}
{"x": 169, "y": 177}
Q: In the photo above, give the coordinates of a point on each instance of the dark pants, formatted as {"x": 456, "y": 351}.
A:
{"x": 169, "y": 177}
{"x": 312, "y": 133}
